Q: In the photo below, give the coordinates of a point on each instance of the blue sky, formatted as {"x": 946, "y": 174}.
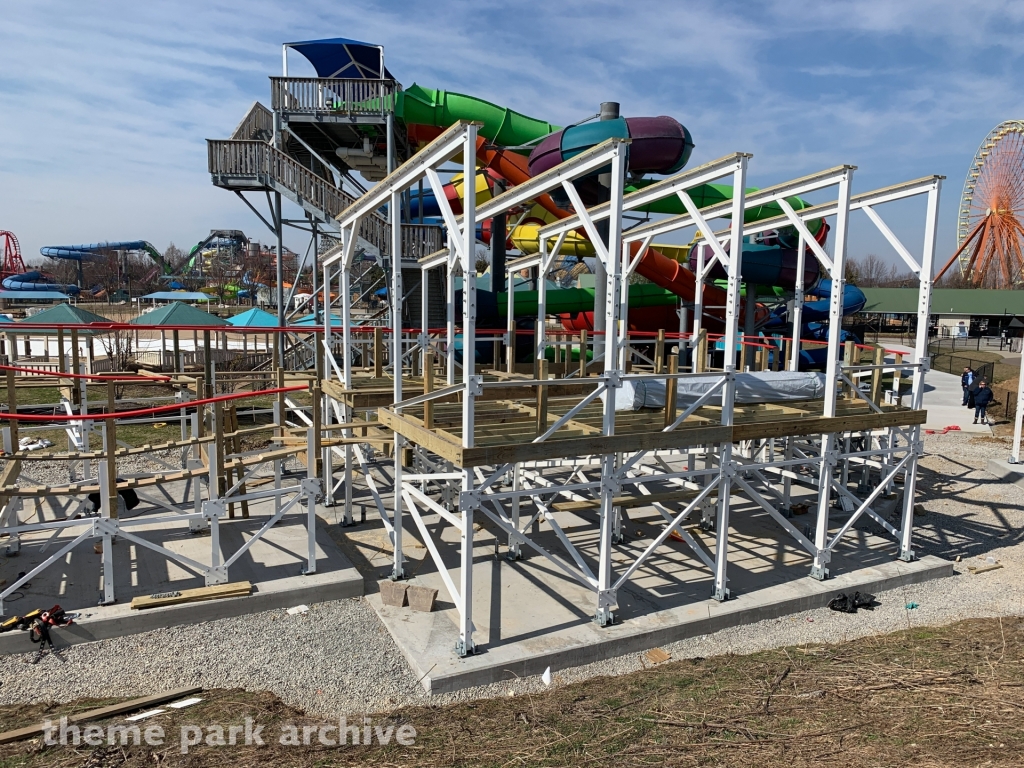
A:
{"x": 105, "y": 106}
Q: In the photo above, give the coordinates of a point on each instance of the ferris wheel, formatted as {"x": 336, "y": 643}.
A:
{"x": 990, "y": 227}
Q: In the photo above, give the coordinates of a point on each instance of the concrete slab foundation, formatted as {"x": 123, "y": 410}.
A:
{"x": 273, "y": 565}
{"x": 528, "y": 615}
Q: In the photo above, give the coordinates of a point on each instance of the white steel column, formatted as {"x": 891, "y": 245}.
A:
{"x": 829, "y": 453}
{"x": 467, "y": 504}
{"x": 450, "y": 315}
{"x": 726, "y": 470}
{"x": 468, "y": 236}
{"x": 923, "y": 363}
{"x": 395, "y": 218}
{"x": 610, "y": 480}
{"x": 798, "y": 304}
{"x": 698, "y": 306}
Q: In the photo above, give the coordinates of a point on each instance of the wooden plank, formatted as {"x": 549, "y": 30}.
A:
{"x": 20, "y": 734}
{"x": 821, "y": 425}
{"x": 429, "y": 439}
{"x": 200, "y": 594}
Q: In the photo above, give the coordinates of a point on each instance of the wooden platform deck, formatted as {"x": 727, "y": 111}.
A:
{"x": 506, "y": 429}
{"x": 368, "y": 391}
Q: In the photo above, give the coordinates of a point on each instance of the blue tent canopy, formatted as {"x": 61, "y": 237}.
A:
{"x": 341, "y": 57}
{"x": 254, "y": 318}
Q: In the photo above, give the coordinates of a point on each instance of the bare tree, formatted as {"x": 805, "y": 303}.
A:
{"x": 120, "y": 348}
{"x": 872, "y": 272}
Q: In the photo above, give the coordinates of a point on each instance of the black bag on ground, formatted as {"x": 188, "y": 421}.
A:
{"x": 131, "y": 499}
{"x": 850, "y": 603}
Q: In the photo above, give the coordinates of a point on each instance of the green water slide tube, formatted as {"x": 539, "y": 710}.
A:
{"x": 503, "y": 126}
{"x": 572, "y": 300}
{"x": 508, "y": 128}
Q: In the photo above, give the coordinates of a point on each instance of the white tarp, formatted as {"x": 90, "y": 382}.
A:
{"x": 756, "y": 387}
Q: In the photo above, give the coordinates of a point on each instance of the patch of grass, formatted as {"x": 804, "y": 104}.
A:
{"x": 926, "y": 696}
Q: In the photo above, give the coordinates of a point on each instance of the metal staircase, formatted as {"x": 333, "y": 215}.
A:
{"x": 248, "y": 162}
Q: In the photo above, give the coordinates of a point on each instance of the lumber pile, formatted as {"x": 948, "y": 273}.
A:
{"x": 198, "y": 595}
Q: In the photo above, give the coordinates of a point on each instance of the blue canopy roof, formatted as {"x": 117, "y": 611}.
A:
{"x": 310, "y": 319}
{"x": 341, "y": 57}
{"x": 254, "y": 318}
{"x": 34, "y": 295}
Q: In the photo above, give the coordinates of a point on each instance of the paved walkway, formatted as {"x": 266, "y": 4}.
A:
{"x": 942, "y": 399}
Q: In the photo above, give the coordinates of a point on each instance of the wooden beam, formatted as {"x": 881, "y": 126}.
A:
{"x": 200, "y": 594}
{"x": 20, "y": 734}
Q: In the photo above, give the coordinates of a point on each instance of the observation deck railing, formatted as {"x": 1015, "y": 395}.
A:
{"x": 319, "y": 95}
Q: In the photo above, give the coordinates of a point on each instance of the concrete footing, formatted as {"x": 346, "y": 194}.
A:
{"x": 1007, "y": 472}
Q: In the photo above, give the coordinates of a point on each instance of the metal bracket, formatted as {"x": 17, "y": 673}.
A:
{"x": 721, "y": 595}
{"x": 819, "y": 570}
{"x": 475, "y": 386}
{"x": 217, "y": 575}
{"x": 464, "y": 649}
{"x": 311, "y": 486}
{"x": 214, "y": 508}
{"x": 469, "y": 500}
{"x": 613, "y": 379}
{"x": 103, "y": 526}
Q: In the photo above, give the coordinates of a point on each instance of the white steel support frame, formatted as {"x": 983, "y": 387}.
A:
{"x": 515, "y": 496}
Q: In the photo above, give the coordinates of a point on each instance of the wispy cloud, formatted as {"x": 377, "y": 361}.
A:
{"x": 106, "y": 106}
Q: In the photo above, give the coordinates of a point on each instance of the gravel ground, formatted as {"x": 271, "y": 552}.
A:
{"x": 340, "y": 659}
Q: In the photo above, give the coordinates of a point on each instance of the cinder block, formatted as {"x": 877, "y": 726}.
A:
{"x": 393, "y": 593}
{"x": 421, "y": 598}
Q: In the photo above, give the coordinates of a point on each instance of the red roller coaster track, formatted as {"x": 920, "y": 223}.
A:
{"x": 12, "y": 264}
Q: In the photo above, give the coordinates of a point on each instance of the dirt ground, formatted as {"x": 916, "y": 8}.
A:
{"x": 927, "y": 696}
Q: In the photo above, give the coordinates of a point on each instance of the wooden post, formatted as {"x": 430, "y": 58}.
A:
{"x": 896, "y": 378}
{"x": 60, "y": 350}
{"x": 428, "y": 386}
{"x": 876, "y": 375}
{"x": 317, "y": 396}
{"x": 512, "y": 352}
{"x": 659, "y": 352}
{"x": 236, "y": 446}
{"x": 701, "y": 352}
{"x": 378, "y": 353}
{"x": 583, "y": 353}
{"x": 12, "y": 407}
{"x": 279, "y": 377}
{"x": 670, "y": 391}
{"x": 848, "y": 352}
{"x": 542, "y": 397}
{"x": 177, "y": 353}
{"x": 218, "y": 447}
{"x": 28, "y": 346}
{"x": 497, "y": 354}
{"x": 207, "y": 365}
{"x": 318, "y": 354}
{"x": 111, "y": 431}
{"x": 76, "y": 392}
{"x": 12, "y": 346}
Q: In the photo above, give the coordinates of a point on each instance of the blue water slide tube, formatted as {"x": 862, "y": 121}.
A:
{"x": 36, "y": 281}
